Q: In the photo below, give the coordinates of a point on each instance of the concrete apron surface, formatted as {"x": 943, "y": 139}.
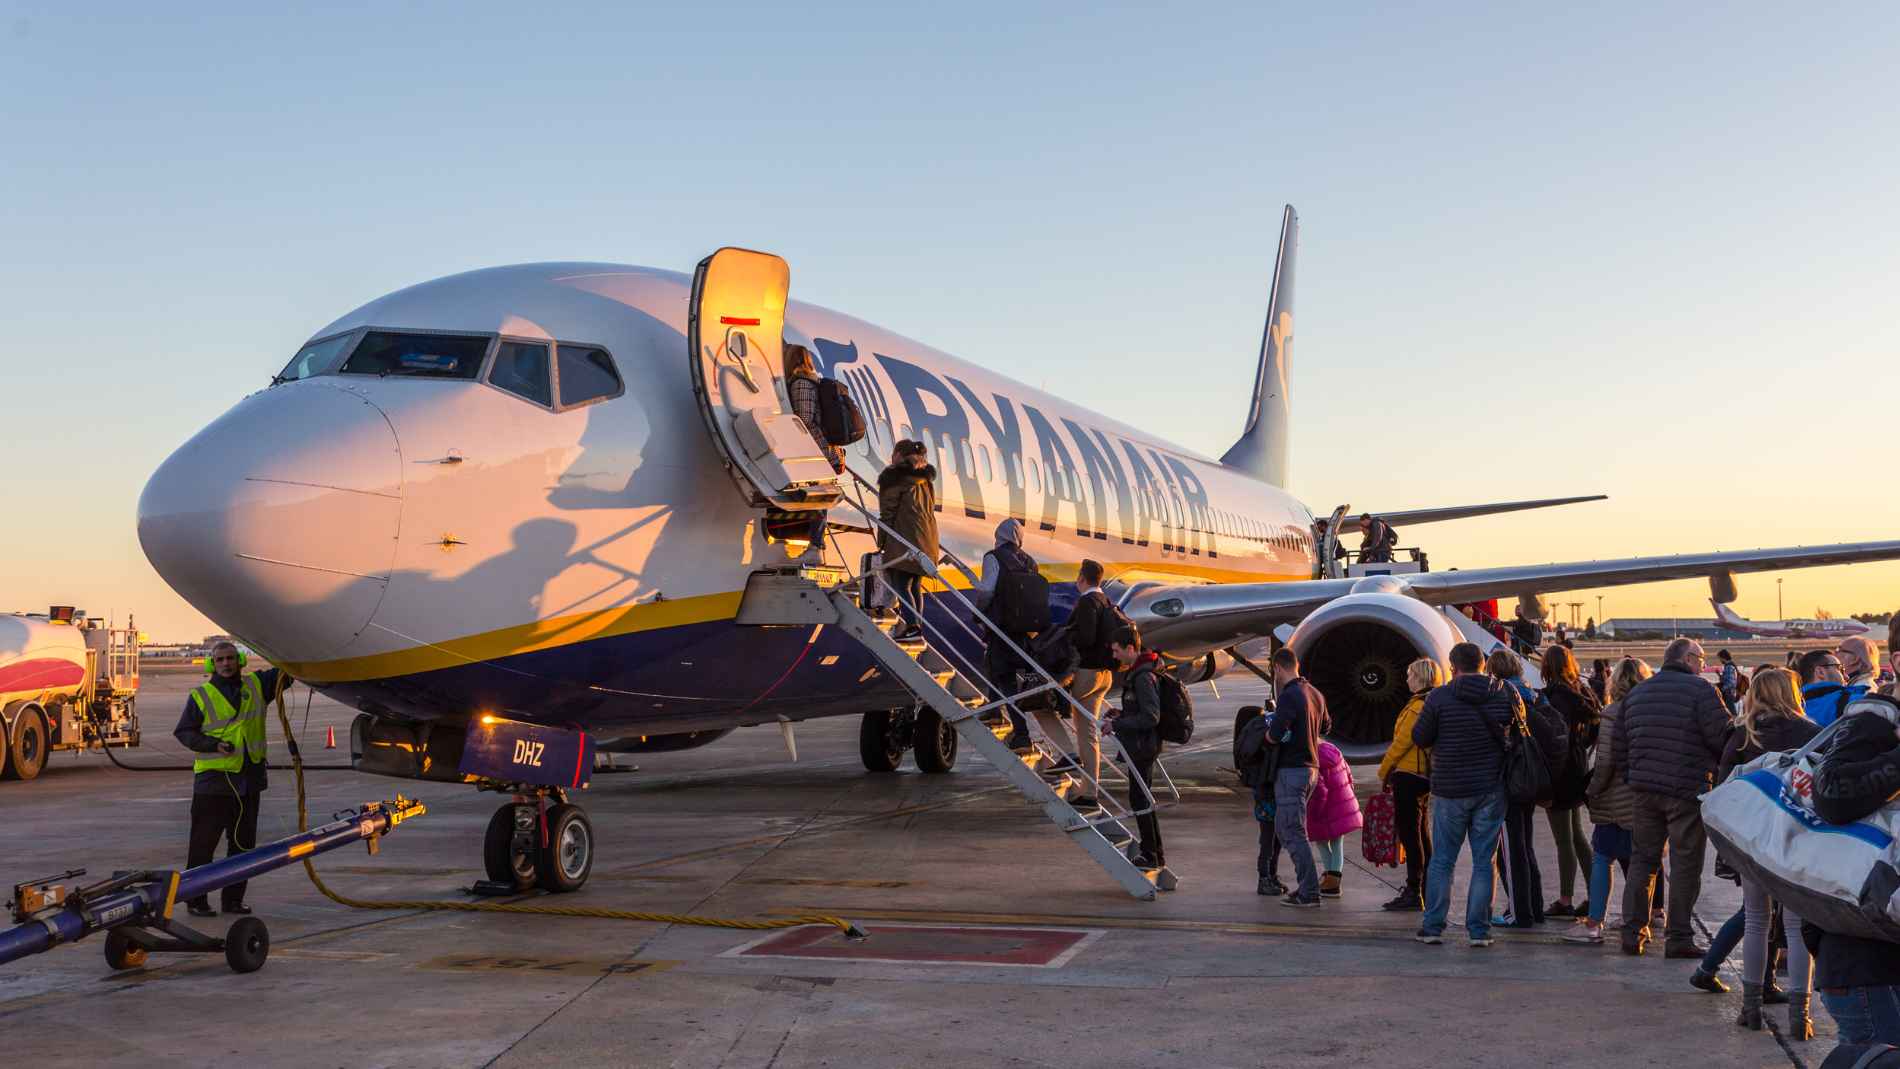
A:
{"x": 1210, "y": 975}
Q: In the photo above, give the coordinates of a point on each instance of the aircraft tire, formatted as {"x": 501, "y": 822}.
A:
{"x": 883, "y": 736}
{"x": 569, "y": 858}
{"x": 935, "y": 743}
{"x": 505, "y": 862}
{"x": 122, "y": 953}
{"x": 26, "y": 749}
{"x": 246, "y": 945}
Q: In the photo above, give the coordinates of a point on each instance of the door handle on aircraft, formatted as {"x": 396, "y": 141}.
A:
{"x": 735, "y": 346}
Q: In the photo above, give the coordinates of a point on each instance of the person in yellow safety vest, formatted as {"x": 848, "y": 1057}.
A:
{"x": 224, "y": 724}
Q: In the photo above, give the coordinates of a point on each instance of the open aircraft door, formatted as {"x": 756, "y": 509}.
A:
{"x": 735, "y": 335}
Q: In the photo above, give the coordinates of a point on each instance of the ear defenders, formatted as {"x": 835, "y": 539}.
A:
{"x": 244, "y": 660}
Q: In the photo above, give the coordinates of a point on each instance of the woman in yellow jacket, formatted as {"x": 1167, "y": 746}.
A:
{"x": 1407, "y": 770}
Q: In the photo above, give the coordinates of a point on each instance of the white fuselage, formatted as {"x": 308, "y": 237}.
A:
{"x": 435, "y": 547}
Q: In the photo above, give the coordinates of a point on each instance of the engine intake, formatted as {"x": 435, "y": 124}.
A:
{"x": 1355, "y": 649}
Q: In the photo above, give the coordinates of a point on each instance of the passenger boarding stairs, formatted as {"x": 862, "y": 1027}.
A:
{"x": 956, "y": 695}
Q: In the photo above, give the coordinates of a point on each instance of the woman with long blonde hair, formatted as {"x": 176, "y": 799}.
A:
{"x": 1772, "y": 722}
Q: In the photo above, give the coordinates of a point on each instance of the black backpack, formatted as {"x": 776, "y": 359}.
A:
{"x": 1109, "y": 618}
{"x": 1526, "y": 776}
{"x": 839, "y": 418}
{"x": 1021, "y": 603}
{"x": 1177, "y": 709}
{"x": 1250, "y": 746}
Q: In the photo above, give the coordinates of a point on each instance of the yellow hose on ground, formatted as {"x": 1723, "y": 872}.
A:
{"x": 303, "y": 824}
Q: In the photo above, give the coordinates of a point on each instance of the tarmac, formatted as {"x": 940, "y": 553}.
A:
{"x": 1041, "y": 959}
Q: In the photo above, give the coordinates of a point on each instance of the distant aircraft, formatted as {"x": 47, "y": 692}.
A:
{"x": 536, "y": 493}
{"x": 1726, "y": 617}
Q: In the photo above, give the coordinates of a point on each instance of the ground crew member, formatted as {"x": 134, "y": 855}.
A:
{"x": 224, "y": 724}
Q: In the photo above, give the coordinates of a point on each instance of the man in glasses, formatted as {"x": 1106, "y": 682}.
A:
{"x": 1824, "y": 686}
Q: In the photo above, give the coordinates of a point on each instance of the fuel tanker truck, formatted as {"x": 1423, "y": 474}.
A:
{"x": 66, "y": 683}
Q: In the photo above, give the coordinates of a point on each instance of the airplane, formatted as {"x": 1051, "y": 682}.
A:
{"x": 1727, "y": 617}
{"x": 528, "y": 500}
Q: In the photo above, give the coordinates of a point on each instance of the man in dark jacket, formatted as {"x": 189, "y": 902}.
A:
{"x": 1137, "y": 726}
{"x": 223, "y": 723}
{"x": 1299, "y": 721}
{"x": 999, "y": 664}
{"x": 1668, "y": 745}
{"x": 1859, "y": 979}
{"x": 1092, "y": 622}
{"x": 1463, "y": 725}
{"x": 907, "y": 503}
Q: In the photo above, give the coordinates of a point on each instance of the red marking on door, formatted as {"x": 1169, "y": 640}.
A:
{"x": 739, "y": 321}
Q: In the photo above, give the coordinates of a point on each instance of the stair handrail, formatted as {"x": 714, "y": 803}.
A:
{"x": 911, "y": 551}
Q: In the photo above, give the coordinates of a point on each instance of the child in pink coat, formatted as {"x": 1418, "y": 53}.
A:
{"x": 1330, "y": 814}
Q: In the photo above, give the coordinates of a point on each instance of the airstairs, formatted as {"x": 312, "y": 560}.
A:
{"x": 955, "y": 695}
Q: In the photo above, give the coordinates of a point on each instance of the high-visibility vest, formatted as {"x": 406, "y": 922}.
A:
{"x": 242, "y": 727}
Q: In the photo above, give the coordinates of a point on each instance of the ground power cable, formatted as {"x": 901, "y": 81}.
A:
{"x": 850, "y": 930}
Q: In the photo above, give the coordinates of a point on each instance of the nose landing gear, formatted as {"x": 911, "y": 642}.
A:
{"x": 532, "y": 843}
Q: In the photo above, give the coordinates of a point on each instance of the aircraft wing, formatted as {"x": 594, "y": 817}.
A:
{"x": 1408, "y": 517}
{"x": 1218, "y": 615}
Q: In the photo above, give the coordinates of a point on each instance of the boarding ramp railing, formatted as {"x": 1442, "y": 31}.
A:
{"x": 936, "y": 667}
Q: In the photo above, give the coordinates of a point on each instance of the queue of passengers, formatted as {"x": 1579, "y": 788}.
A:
{"x": 1638, "y": 764}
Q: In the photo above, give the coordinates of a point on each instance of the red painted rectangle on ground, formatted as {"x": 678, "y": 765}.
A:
{"x": 926, "y": 945}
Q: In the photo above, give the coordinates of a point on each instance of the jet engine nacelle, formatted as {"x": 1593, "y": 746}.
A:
{"x": 1356, "y": 648}
{"x": 1200, "y": 669}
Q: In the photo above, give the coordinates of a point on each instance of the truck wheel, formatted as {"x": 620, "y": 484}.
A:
{"x": 934, "y": 743}
{"x": 26, "y": 754}
{"x": 246, "y": 945}
{"x": 123, "y": 953}
{"x": 503, "y": 857}
{"x": 565, "y": 864}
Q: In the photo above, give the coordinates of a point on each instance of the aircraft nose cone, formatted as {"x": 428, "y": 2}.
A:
{"x": 279, "y": 520}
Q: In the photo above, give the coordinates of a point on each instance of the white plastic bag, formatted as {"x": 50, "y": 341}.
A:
{"x": 1844, "y": 878}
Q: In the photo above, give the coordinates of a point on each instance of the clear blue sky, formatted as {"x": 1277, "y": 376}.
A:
{"x": 1648, "y": 254}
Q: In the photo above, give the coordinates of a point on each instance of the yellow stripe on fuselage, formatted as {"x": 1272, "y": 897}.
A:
{"x": 653, "y": 616}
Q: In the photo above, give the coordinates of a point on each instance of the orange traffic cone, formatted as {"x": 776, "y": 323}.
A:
{"x": 329, "y": 738}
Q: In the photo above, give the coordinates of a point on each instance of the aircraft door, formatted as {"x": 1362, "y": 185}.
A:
{"x": 734, "y": 333}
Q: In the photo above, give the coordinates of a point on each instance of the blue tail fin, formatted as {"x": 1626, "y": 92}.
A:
{"x": 1261, "y": 450}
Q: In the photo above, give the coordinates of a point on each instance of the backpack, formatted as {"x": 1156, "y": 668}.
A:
{"x": 1250, "y": 746}
{"x": 1109, "y": 618}
{"x": 1021, "y": 603}
{"x": 1177, "y": 709}
{"x": 840, "y": 419}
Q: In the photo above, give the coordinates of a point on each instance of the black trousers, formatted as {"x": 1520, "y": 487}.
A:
{"x": 1519, "y": 863}
{"x": 1411, "y": 796}
{"x": 909, "y": 587}
{"x": 230, "y": 817}
{"x": 1141, "y": 761}
{"x": 1268, "y": 863}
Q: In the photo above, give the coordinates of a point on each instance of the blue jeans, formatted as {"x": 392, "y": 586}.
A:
{"x": 1291, "y": 789}
{"x": 1725, "y": 940}
{"x": 1865, "y": 1014}
{"x": 1453, "y": 820}
{"x": 1332, "y": 855}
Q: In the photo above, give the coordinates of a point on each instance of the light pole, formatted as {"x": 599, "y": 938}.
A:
{"x": 1779, "y": 615}
{"x": 1599, "y": 610}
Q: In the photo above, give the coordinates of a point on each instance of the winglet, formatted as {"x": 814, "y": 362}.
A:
{"x": 1261, "y": 450}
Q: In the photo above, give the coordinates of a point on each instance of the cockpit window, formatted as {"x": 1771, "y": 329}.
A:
{"x": 317, "y": 358}
{"x": 587, "y": 374}
{"x": 521, "y": 368}
{"x": 425, "y": 356}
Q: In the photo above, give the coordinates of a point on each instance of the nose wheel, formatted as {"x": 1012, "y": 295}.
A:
{"x": 519, "y": 852}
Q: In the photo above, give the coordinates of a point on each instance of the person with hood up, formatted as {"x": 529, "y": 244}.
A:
{"x": 999, "y": 664}
{"x": 907, "y": 504}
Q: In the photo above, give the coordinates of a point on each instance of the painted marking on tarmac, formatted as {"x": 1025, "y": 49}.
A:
{"x": 807, "y": 881}
{"x": 332, "y": 955}
{"x": 911, "y": 944}
{"x": 544, "y": 966}
{"x": 1310, "y": 931}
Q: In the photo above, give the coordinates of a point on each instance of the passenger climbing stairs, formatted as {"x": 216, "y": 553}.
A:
{"x": 953, "y": 694}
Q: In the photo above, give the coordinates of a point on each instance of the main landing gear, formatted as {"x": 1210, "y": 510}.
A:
{"x": 885, "y": 734}
{"x": 538, "y": 840}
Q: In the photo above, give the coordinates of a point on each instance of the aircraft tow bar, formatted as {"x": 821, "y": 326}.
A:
{"x": 134, "y": 909}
